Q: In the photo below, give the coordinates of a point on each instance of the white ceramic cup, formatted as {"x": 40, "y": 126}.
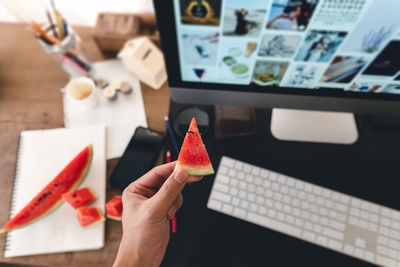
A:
{"x": 82, "y": 91}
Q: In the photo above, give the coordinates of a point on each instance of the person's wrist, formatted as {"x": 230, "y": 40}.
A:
{"x": 129, "y": 257}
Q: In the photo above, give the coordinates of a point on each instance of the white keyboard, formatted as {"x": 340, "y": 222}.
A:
{"x": 330, "y": 219}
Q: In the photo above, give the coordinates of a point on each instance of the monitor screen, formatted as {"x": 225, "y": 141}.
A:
{"x": 340, "y": 45}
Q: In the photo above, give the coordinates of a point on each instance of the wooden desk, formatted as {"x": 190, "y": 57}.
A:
{"x": 30, "y": 98}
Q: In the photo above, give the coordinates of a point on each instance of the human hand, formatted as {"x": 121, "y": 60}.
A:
{"x": 149, "y": 204}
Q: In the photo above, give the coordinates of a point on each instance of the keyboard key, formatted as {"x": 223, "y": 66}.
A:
{"x": 268, "y": 193}
{"x": 349, "y": 249}
{"x": 299, "y": 222}
{"x": 234, "y": 182}
{"x": 221, "y": 187}
{"x": 309, "y": 236}
{"x": 333, "y": 233}
{"x": 251, "y": 197}
{"x": 335, "y": 245}
{"x": 280, "y": 216}
{"x": 232, "y": 173}
{"x": 290, "y": 219}
{"x": 235, "y": 201}
{"x": 287, "y": 209}
{"x": 271, "y": 213}
{"x": 277, "y": 206}
{"x": 260, "y": 200}
{"x": 241, "y": 213}
{"x": 257, "y": 181}
{"x": 286, "y": 199}
{"x": 358, "y": 252}
{"x": 337, "y": 225}
{"x": 242, "y": 194}
{"x": 260, "y": 190}
{"x": 238, "y": 165}
{"x": 266, "y": 183}
{"x": 242, "y": 185}
{"x": 262, "y": 210}
{"x": 222, "y": 169}
{"x": 253, "y": 207}
{"x": 221, "y": 196}
{"x": 222, "y": 178}
{"x": 249, "y": 178}
{"x": 264, "y": 173}
{"x": 359, "y": 242}
{"x": 244, "y": 204}
{"x": 227, "y": 208}
{"x": 256, "y": 171}
{"x": 322, "y": 240}
{"x": 278, "y": 196}
{"x": 233, "y": 191}
{"x": 214, "y": 204}
{"x": 240, "y": 175}
{"x": 273, "y": 224}
{"x": 369, "y": 256}
{"x": 269, "y": 203}
{"x": 282, "y": 179}
{"x": 227, "y": 161}
{"x": 273, "y": 176}
{"x": 246, "y": 167}
{"x": 251, "y": 188}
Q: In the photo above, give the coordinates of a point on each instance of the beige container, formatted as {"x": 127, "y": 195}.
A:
{"x": 145, "y": 61}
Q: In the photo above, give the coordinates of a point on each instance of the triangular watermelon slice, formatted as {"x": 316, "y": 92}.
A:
{"x": 51, "y": 196}
{"x": 193, "y": 156}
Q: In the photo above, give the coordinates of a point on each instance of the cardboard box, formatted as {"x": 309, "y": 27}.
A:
{"x": 114, "y": 29}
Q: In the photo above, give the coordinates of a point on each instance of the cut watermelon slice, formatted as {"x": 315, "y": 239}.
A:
{"x": 114, "y": 208}
{"x": 80, "y": 197}
{"x": 193, "y": 156}
{"x": 51, "y": 196}
{"x": 88, "y": 216}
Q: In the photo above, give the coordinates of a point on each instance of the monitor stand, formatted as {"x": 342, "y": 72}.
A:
{"x": 314, "y": 126}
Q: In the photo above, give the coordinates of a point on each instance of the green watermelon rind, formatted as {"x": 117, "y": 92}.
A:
{"x": 57, "y": 204}
{"x": 113, "y": 217}
{"x": 116, "y": 218}
{"x": 196, "y": 170}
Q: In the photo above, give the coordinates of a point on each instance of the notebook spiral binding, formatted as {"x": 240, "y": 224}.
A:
{"x": 13, "y": 211}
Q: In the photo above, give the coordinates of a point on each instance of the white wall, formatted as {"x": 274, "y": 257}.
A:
{"x": 77, "y": 12}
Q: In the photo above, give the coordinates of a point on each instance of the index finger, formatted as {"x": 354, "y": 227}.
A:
{"x": 157, "y": 176}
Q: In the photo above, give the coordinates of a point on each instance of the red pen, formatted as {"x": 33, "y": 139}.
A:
{"x": 174, "y": 227}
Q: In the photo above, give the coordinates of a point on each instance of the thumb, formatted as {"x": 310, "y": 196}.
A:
{"x": 169, "y": 191}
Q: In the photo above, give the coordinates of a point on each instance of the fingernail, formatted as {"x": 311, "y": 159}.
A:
{"x": 180, "y": 176}
{"x": 171, "y": 213}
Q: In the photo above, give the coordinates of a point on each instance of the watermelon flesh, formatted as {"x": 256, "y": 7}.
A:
{"x": 80, "y": 197}
{"x": 51, "y": 196}
{"x": 88, "y": 216}
{"x": 114, "y": 208}
{"x": 193, "y": 157}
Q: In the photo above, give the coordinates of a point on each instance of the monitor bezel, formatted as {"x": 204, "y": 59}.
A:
{"x": 167, "y": 28}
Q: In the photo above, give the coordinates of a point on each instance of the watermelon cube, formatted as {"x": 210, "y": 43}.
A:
{"x": 114, "y": 208}
{"x": 88, "y": 216}
{"x": 80, "y": 197}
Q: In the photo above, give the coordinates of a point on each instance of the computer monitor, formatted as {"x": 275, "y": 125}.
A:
{"x": 327, "y": 55}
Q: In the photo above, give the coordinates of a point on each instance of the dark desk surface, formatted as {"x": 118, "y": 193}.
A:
{"x": 368, "y": 169}
{"x": 30, "y": 98}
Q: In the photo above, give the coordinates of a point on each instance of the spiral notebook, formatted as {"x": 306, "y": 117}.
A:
{"x": 42, "y": 154}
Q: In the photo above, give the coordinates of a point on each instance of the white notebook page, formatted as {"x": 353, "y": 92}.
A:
{"x": 42, "y": 155}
